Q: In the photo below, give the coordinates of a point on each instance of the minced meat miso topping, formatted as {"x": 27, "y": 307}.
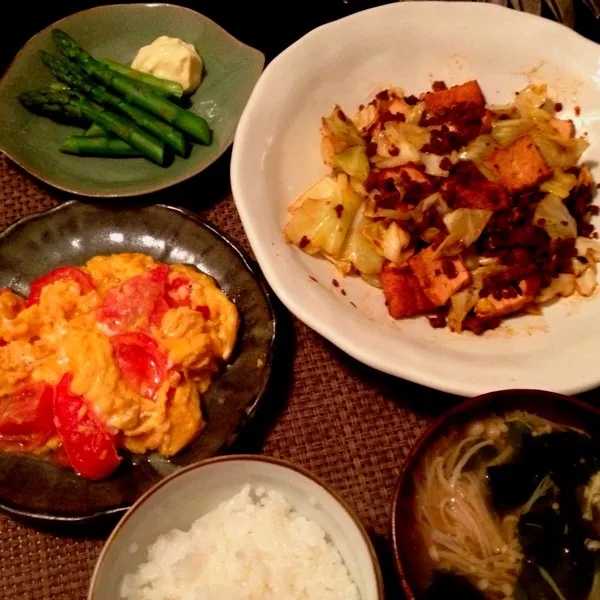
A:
{"x": 460, "y": 211}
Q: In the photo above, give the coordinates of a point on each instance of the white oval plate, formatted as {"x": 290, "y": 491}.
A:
{"x": 410, "y": 45}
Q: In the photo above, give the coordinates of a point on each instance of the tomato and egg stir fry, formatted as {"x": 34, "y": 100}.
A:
{"x": 458, "y": 210}
{"x": 115, "y": 354}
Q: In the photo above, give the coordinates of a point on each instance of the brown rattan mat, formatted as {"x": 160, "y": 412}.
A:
{"x": 345, "y": 422}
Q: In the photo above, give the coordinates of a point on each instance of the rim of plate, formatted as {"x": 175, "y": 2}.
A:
{"x": 143, "y": 188}
{"x": 376, "y": 567}
{"x": 267, "y": 259}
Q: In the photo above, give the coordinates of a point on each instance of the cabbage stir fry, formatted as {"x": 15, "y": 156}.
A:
{"x": 459, "y": 211}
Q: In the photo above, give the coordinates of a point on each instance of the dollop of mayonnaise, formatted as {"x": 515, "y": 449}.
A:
{"x": 171, "y": 58}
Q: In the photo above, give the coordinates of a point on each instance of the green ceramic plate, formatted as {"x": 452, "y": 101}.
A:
{"x": 117, "y": 32}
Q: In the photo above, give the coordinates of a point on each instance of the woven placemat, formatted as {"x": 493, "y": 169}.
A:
{"x": 345, "y": 422}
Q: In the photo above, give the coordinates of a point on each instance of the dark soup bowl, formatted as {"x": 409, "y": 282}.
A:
{"x": 518, "y": 490}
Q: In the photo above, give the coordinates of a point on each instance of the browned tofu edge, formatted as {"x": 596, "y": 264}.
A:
{"x": 466, "y": 93}
{"x": 523, "y": 152}
{"x": 434, "y": 276}
{"x": 403, "y": 294}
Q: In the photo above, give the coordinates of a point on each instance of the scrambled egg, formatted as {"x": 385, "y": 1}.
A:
{"x": 62, "y": 334}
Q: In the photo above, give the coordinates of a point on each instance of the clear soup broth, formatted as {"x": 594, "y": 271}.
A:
{"x": 508, "y": 507}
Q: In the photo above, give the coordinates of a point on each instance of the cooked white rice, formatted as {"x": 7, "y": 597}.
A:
{"x": 254, "y": 546}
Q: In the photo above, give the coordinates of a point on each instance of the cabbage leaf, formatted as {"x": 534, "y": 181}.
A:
{"x": 372, "y": 279}
{"x": 461, "y": 305}
{"x": 365, "y": 117}
{"x": 390, "y": 240}
{"x": 462, "y": 302}
{"x": 359, "y": 250}
{"x": 352, "y": 161}
{"x": 557, "y": 152}
{"x": 388, "y": 138}
{"x": 432, "y": 201}
{"x": 564, "y": 284}
{"x": 552, "y": 215}
{"x": 586, "y": 281}
{"x": 321, "y": 224}
{"x": 560, "y": 185}
{"x": 464, "y": 225}
{"x": 398, "y": 132}
{"x": 432, "y": 163}
{"x": 507, "y": 131}
{"x": 414, "y": 114}
{"x": 478, "y": 149}
{"x": 340, "y": 131}
{"x": 322, "y": 190}
{"x": 342, "y": 146}
{"x": 533, "y": 97}
{"x": 588, "y": 247}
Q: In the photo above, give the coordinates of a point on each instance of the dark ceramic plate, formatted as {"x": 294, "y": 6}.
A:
{"x": 71, "y": 234}
{"x": 411, "y": 557}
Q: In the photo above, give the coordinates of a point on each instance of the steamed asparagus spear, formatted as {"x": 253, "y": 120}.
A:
{"x": 162, "y": 87}
{"x": 55, "y": 103}
{"x": 52, "y": 103}
{"x": 98, "y": 146}
{"x": 95, "y": 130}
{"x": 71, "y": 75}
{"x": 58, "y": 86}
{"x": 68, "y": 115}
{"x": 139, "y": 95}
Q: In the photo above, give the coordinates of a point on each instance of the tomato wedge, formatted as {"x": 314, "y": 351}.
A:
{"x": 61, "y": 274}
{"x": 137, "y": 302}
{"x": 26, "y": 416}
{"x": 87, "y": 443}
{"x": 142, "y": 364}
{"x": 179, "y": 294}
{"x": 204, "y": 310}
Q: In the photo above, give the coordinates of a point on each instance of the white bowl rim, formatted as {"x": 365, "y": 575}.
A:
{"x": 375, "y": 566}
{"x": 347, "y": 342}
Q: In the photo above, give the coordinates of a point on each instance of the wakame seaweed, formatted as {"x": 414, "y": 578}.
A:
{"x": 557, "y": 565}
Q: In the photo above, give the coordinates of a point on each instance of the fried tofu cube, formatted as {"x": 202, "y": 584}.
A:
{"x": 519, "y": 166}
{"x": 443, "y": 100}
{"x": 439, "y": 277}
{"x": 564, "y": 127}
{"x": 403, "y": 295}
{"x": 490, "y": 307}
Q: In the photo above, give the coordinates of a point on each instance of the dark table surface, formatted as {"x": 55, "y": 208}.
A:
{"x": 348, "y": 424}
{"x": 267, "y": 25}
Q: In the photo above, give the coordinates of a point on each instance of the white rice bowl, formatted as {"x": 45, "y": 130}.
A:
{"x": 254, "y": 546}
